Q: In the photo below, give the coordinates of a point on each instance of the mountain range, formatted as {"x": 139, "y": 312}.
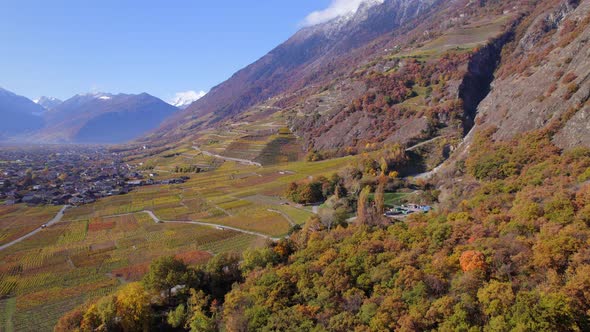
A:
{"x": 103, "y": 118}
{"x": 352, "y": 81}
{"x": 19, "y": 114}
{"x": 91, "y": 118}
{"x": 329, "y": 79}
{"x": 48, "y": 102}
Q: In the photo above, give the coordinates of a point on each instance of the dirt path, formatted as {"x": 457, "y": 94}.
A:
{"x": 238, "y": 160}
{"x": 200, "y": 223}
{"x": 412, "y": 148}
{"x": 55, "y": 220}
{"x": 427, "y": 175}
{"x": 284, "y": 216}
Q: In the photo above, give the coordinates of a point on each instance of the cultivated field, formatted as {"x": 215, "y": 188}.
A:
{"x": 72, "y": 262}
{"x": 97, "y": 247}
{"x": 18, "y": 220}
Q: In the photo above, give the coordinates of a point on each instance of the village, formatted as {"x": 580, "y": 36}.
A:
{"x": 72, "y": 175}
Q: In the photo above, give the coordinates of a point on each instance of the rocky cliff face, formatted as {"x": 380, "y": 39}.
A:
{"x": 545, "y": 77}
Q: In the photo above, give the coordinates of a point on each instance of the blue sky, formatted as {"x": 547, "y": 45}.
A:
{"x": 60, "y": 48}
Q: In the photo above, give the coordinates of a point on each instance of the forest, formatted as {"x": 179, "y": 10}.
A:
{"x": 512, "y": 255}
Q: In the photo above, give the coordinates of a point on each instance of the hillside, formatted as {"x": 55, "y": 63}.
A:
{"x": 397, "y": 72}
{"x": 295, "y": 64}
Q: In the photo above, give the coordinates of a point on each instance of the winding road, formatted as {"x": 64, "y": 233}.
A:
{"x": 238, "y": 160}
{"x": 200, "y": 223}
{"x": 155, "y": 218}
{"x": 55, "y": 220}
{"x": 429, "y": 174}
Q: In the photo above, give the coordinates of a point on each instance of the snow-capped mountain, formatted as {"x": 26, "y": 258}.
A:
{"x": 308, "y": 56}
{"x": 183, "y": 99}
{"x": 47, "y": 102}
{"x": 103, "y": 118}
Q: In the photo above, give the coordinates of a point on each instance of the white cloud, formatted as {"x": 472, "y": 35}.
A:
{"x": 183, "y": 99}
{"x": 336, "y": 9}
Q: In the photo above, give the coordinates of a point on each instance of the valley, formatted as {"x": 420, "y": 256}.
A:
{"x": 413, "y": 165}
{"x": 228, "y": 204}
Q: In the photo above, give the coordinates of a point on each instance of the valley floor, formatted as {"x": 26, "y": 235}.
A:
{"x": 88, "y": 251}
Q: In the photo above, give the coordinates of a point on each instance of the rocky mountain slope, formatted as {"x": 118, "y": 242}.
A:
{"x": 19, "y": 114}
{"x": 306, "y": 58}
{"x": 405, "y": 72}
{"x": 103, "y": 118}
{"x": 545, "y": 77}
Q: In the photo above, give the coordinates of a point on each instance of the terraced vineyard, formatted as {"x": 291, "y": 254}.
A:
{"x": 16, "y": 221}
{"x": 72, "y": 262}
{"x": 97, "y": 247}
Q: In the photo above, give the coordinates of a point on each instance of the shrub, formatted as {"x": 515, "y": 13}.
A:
{"x": 570, "y": 77}
{"x": 551, "y": 89}
{"x": 572, "y": 88}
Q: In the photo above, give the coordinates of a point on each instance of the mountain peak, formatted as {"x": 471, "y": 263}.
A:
{"x": 47, "y": 102}
{"x": 183, "y": 99}
{"x": 339, "y": 12}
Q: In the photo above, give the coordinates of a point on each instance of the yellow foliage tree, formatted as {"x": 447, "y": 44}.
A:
{"x": 133, "y": 306}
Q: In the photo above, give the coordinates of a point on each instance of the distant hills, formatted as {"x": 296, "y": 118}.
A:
{"x": 19, "y": 114}
{"x": 104, "y": 118}
{"x": 100, "y": 118}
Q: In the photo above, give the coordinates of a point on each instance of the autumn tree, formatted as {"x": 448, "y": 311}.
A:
{"x": 380, "y": 199}
{"x": 363, "y": 208}
{"x": 133, "y": 308}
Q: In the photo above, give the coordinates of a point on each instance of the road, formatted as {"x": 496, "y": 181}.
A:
{"x": 200, "y": 223}
{"x": 412, "y": 148}
{"x": 427, "y": 175}
{"x": 55, "y": 220}
{"x": 238, "y": 160}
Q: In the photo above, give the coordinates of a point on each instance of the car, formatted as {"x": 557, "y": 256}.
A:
{"x": 44, "y": 226}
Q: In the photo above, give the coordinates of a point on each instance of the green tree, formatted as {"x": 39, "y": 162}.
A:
{"x": 496, "y": 298}
{"x": 534, "y": 311}
{"x": 177, "y": 317}
{"x": 199, "y": 320}
{"x": 380, "y": 199}
{"x": 166, "y": 273}
{"x": 223, "y": 271}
